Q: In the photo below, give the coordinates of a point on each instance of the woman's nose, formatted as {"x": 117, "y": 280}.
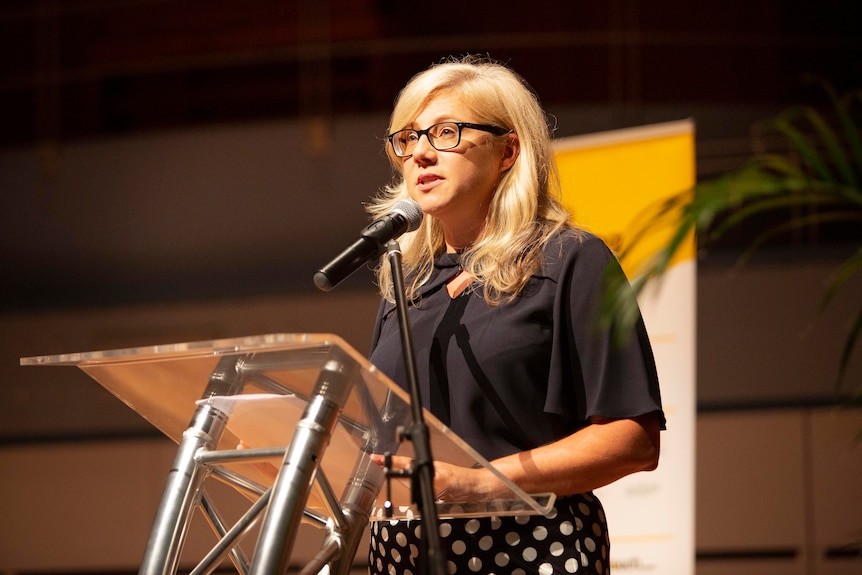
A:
{"x": 423, "y": 150}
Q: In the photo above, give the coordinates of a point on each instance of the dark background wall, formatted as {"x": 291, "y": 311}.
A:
{"x": 83, "y": 71}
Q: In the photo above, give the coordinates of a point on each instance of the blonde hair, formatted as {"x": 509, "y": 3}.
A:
{"x": 525, "y": 208}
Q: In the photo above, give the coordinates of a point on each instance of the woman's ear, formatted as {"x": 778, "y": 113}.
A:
{"x": 510, "y": 152}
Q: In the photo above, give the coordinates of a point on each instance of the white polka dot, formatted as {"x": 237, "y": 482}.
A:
{"x": 501, "y": 559}
{"x": 512, "y": 538}
{"x": 414, "y": 551}
{"x": 486, "y": 542}
{"x": 396, "y": 555}
{"x": 384, "y": 534}
{"x": 522, "y": 519}
{"x": 451, "y": 568}
{"x": 590, "y": 544}
{"x": 566, "y": 528}
{"x": 584, "y": 509}
{"x": 459, "y": 547}
{"x": 600, "y": 568}
{"x": 540, "y": 533}
{"x": 472, "y": 526}
{"x": 496, "y": 522}
{"x": 584, "y": 560}
{"x": 401, "y": 539}
{"x": 546, "y": 569}
{"x": 519, "y": 572}
{"x": 474, "y": 564}
{"x": 557, "y": 548}
{"x": 445, "y": 529}
{"x": 529, "y": 554}
{"x": 571, "y": 566}
{"x": 597, "y": 529}
{"x": 579, "y": 524}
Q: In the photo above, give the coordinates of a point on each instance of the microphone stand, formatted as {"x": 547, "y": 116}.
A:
{"x": 422, "y": 471}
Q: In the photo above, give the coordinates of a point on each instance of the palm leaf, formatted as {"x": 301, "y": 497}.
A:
{"x": 837, "y": 155}
{"x": 852, "y": 137}
{"x": 803, "y": 146}
{"x": 815, "y": 182}
{"x": 849, "y": 345}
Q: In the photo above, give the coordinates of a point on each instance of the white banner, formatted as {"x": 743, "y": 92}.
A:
{"x": 608, "y": 179}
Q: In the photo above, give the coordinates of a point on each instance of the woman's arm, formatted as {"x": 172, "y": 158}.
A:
{"x": 599, "y": 454}
{"x": 592, "y": 457}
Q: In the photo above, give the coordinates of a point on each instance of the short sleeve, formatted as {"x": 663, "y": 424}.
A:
{"x": 594, "y": 371}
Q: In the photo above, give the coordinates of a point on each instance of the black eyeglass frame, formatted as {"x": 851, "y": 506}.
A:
{"x": 491, "y": 129}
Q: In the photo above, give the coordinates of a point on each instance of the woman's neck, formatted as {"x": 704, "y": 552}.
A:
{"x": 462, "y": 240}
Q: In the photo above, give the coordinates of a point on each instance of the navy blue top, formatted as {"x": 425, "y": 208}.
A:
{"x": 515, "y": 376}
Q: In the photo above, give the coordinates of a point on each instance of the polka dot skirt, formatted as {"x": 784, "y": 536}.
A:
{"x": 573, "y": 540}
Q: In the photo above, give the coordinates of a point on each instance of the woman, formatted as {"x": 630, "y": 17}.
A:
{"x": 504, "y": 293}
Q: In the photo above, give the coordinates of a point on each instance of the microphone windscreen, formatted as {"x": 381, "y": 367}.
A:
{"x": 411, "y": 210}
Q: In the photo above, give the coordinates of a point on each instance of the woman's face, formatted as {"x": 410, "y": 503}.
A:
{"x": 455, "y": 186}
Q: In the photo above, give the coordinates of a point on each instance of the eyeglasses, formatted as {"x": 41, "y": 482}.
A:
{"x": 443, "y": 136}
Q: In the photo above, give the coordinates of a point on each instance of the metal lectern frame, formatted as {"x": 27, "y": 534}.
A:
{"x": 286, "y": 398}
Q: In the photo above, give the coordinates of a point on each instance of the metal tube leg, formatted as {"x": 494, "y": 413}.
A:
{"x": 358, "y": 498}
{"x": 292, "y": 487}
{"x": 187, "y": 474}
{"x": 179, "y": 497}
{"x": 293, "y": 484}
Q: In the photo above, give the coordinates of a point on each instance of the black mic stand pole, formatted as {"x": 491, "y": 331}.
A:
{"x": 422, "y": 472}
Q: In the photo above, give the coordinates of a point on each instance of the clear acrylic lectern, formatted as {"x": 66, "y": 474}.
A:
{"x": 289, "y": 420}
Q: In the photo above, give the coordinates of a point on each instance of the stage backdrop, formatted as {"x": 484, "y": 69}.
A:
{"x": 609, "y": 179}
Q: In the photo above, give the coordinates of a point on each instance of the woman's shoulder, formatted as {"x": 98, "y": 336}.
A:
{"x": 569, "y": 244}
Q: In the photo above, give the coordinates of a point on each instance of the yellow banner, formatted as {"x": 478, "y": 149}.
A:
{"x": 611, "y": 180}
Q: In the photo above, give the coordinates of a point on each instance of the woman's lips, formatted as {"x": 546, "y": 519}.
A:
{"x": 427, "y": 181}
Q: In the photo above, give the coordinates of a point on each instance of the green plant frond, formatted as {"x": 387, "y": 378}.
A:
{"x": 673, "y": 211}
{"x": 776, "y": 164}
{"x": 660, "y": 213}
{"x": 796, "y": 223}
{"x": 619, "y": 310}
{"x": 848, "y": 268}
{"x": 836, "y": 152}
{"x": 800, "y": 143}
{"x": 847, "y": 194}
{"x": 851, "y": 129}
{"x": 847, "y": 351}
{"x": 817, "y": 181}
{"x": 753, "y": 181}
{"x": 790, "y": 200}
{"x": 654, "y": 266}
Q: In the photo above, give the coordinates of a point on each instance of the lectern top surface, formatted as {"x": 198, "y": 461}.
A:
{"x": 248, "y": 344}
{"x": 262, "y": 385}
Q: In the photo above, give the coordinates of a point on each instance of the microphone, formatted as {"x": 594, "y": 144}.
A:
{"x": 406, "y": 215}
